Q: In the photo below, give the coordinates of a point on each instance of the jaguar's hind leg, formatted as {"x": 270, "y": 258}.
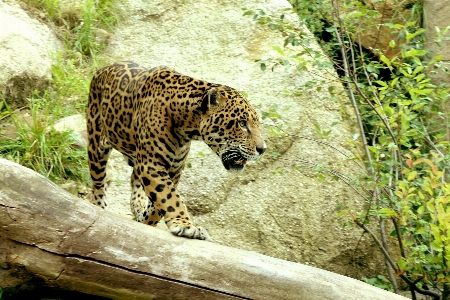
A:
{"x": 142, "y": 208}
{"x": 98, "y": 158}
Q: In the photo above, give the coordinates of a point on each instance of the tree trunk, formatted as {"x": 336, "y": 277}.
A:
{"x": 50, "y": 236}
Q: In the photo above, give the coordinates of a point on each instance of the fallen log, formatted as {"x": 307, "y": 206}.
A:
{"x": 47, "y": 234}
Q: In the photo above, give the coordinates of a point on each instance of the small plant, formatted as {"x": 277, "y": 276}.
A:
{"x": 37, "y": 145}
{"x": 49, "y": 6}
{"x": 380, "y": 281}
{"x": 80, "y": 33}
{"x": 70, "y": 83}
{"x": 41, "y": 148}
{"x": 96, "y": 15}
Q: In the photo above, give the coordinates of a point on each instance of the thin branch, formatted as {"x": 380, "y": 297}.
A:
{"x": 353, "y": 100}
{"x": 393, "y": 265}
{"x": 428, "y": 139}
{"x": 419, "y": 290}
{"x": 377, "y": 241}
{"x": 338, "y": 174}
{"x": 377, "y": 99}
{"x": 329, "y": 145}
{"x": 399, "y": 237}
{"x": 385, "y": 246}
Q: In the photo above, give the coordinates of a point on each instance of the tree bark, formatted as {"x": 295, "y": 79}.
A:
{"x": 47, "y": 234}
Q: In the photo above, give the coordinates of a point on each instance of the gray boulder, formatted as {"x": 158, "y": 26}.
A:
{"x": 436, "y": 14}
{"x": 279, "y": 207}
{"x": 26, "y": 49}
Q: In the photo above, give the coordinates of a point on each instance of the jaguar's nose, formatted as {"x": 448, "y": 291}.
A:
{"x": 261, "y": 149}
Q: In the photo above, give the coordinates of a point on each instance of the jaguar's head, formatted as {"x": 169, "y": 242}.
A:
{"x": 230, "y": 126}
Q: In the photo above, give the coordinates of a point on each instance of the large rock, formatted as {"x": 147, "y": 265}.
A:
{"x": 26, "y": 49}
{"x": 375, "y": 36}
{"x": 275, "y": 207}
{"x": 378, "y": 37}
{"x": 436, "y": 14}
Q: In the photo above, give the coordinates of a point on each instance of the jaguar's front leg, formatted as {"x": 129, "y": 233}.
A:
{"x": 162, "y": 193}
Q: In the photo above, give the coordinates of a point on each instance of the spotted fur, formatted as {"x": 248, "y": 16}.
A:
{"x": 151, "y": 116}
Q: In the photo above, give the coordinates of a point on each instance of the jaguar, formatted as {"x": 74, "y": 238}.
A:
{"x": 151, "y": 116}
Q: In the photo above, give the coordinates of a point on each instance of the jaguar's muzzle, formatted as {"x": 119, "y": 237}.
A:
{"x": 233, "y": 160}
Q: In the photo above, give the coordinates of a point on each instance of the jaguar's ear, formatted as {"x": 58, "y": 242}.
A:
{"x": 210, "y": 100}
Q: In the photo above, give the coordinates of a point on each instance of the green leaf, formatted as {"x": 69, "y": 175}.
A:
{"x": 418, "y": 106}
{"x": 418, "y": 69}
{"x": 421, "y": 91}
{"x": 430, "y": 206}
{"x": 421, "y": 52}
{"x": 321, "y": 177}
{"x": 278, "y": 49}
{"x": 388, "y": 110}
{"x": 263, "y": 66}
{"x": 410, "y": 36}
{"x": 373, "y": 149}
{"x": 387, "y": 212}
{"x": 392, "y": 25}
{"x": 402, "y": 264}
{"x": 341, "y": 213}
{"x": 394, "y": 81}
{"x": 420, "y": 77}
{"x": 421, "y": 210}
{"x": 382, "y": 83}
{"x": 385, "y": 60}
{"x": 436, "y": 59}
{"x": 276, "y": 154}
{"x": 436, "y": 246}
{"x": 412, "y": 175}
{"x": 420, "y": 230}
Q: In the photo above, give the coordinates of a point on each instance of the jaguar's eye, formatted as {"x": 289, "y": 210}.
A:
{"x": 243, "y": 123}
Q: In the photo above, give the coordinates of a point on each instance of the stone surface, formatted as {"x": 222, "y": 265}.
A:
{"x": 26, "y": 48}
{"x": 77, "y": 124}
{"x": 378, "y": 37}
{"x": 49, "y": 235}
{"x": 272, "y": 208}
{"x": 71, "y": 10}
{"x": 436, "y": 14}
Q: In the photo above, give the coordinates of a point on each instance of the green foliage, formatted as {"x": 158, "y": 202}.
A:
{"x": 40, "y": 147}
{"x": 96, "y": 14}
{"x": 49, "y": 6}
{"x": 380, "y": 282}
{"x": 404, "y": 126}
{"x": 80, "y": 32}
{"x": 70, "y": 82}
{"x": 273, "y": 114}
{"x": 324, "y": 134}
{"x": 37, "y": 145}
{"x": 423, "y": 213}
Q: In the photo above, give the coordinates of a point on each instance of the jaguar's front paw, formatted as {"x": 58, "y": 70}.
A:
{"x": 189, "y": 231}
